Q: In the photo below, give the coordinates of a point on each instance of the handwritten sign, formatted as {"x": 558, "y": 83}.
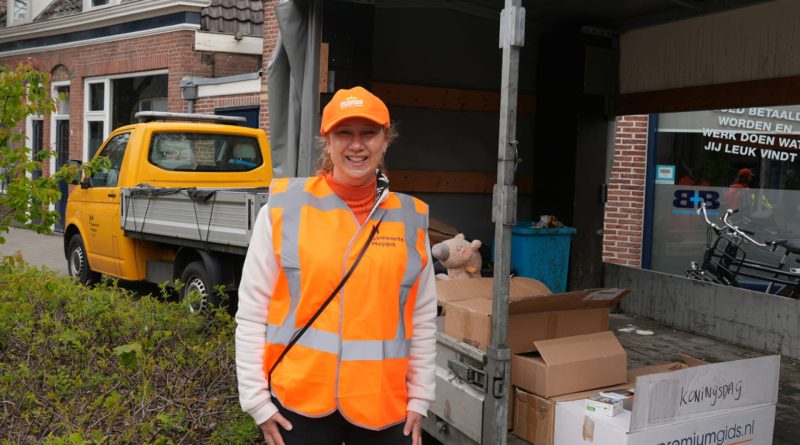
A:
{"x": 674, "y": 397}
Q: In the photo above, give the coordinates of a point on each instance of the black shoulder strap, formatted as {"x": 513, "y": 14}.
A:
{"x": 325, "y": 304}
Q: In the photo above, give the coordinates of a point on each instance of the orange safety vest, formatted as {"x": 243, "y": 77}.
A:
{"x": 354, "y": 357}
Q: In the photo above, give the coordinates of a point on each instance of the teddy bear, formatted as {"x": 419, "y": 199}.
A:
{"x": 461, "y": 257}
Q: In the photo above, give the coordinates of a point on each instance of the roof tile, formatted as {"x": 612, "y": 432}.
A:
{"x": 60, "y": 8}
{"x": 232, "y": 16}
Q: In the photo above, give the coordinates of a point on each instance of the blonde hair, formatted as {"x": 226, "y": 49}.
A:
{"x": 324, "y": 161}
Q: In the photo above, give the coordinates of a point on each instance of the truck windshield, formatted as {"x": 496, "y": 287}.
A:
{"x": 207, "y": 152}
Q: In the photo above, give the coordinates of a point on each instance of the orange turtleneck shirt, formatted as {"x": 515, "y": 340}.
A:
{"x": 359, "y": 198}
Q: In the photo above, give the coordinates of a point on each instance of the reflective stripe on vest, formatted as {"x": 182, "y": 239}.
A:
{"x": 362, "y": 341}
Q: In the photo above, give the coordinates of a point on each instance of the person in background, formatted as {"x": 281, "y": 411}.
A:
{"x": 736, "y": 195}
{"x": 359, "y": 370}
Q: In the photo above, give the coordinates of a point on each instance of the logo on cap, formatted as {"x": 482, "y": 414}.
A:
{"x": 351, "y": 101}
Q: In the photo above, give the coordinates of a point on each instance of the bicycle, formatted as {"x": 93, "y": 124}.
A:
{"x": 725, "y": 260}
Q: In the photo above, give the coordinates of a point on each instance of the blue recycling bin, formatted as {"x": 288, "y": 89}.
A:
{"x": 542, "y": 254}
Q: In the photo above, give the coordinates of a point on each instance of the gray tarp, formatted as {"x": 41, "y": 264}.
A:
{"x": 293, "y": 87}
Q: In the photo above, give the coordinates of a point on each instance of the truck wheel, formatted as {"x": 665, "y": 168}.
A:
{"x": 195, "y": 280}
{"x": 78, "y": 263}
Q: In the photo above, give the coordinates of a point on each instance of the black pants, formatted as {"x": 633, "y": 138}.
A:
{"x": 335, "y": 430}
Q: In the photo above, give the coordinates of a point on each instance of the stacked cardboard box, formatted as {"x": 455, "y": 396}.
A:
{"x": 721, "y": 403}
{"x": 533, "y": 312}
{"x": 534, "y": 416}
{"x": 553, "y": 332}
{"x": 564, "y": 354}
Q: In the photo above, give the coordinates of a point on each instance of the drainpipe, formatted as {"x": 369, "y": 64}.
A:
{"x": 189, "y": 93}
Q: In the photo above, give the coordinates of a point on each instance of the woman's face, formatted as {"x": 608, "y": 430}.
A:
{"x": 356, "y": 147}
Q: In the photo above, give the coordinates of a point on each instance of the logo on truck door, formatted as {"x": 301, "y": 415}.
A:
{"x": 92, "y": 225}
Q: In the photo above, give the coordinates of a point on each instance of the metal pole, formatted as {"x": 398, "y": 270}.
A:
{"x": 504, "y": 214}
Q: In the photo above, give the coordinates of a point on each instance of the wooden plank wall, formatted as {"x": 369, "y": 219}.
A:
{"x": 417, "y": 181}
{"x": 415, "y": 96}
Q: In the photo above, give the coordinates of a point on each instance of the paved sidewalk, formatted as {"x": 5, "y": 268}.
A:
{"x": 38, "y": 250}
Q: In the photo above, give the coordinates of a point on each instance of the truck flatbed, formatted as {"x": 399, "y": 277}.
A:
{"x": 218, "y": 219}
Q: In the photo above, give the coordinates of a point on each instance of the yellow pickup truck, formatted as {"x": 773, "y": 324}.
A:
{"x": 177, "y": 201}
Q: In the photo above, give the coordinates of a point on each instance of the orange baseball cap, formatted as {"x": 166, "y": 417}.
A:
{"x": 355, "y": 102}
{"x": 745, "y": 172}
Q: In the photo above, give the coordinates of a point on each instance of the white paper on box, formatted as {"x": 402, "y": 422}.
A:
{"x": 752, "y": 426}
{"x": 604, "y": 294}
{"x": 606, "y": 406}
{"x": 706, "y": 390}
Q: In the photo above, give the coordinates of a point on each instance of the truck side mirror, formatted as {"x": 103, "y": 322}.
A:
{"x": 72, "y": 163}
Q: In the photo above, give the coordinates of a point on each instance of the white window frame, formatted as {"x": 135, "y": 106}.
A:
{"x": 87, "y": 5}
{"x": 89, "y": 115}
{"x": 10, "y": 21}
{"x": 105, "y": 115}
{"x": 54, "y": 118}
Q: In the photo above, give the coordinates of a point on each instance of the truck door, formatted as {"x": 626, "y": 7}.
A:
{"x": 102, "y": 216}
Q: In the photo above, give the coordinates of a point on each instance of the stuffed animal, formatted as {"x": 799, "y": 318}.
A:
{"x": 461, "y": 258}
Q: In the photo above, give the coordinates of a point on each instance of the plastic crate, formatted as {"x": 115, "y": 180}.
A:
{"x": 542, "y": 254}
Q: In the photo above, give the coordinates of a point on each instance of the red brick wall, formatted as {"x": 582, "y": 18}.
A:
{"x": 270, "y": 40}
{"x": 622, "y": 229}
{"x": 207, "y": 105}
{"x": 227, "y": 64}
{"x": 171, "y": 51}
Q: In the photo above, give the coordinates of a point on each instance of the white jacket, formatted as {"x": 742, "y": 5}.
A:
{"x": 259, "y": 276}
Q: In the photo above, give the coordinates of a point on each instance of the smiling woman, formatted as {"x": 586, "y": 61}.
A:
{"x": 371, "y": 124}
{"x": 356, "y": 147}
{"x": 364, "y": 369}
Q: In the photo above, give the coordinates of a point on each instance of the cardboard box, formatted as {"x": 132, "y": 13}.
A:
{"x": 625, "y": 396}
{"x": 534, "y": 416}
{"x": 603, "y": 404}
{"x": 519, "y": 288}
{"x": 531, "y": 318}
{"x": 750, "y": 426}
{"x": 438, "y": 231}
{"x": 730, "y": 402}
{"x": 570, "y": 364}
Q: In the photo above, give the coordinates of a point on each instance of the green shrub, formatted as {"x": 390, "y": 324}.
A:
{"x": 83, "y": 365}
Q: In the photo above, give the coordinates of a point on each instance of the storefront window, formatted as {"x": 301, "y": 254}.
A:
{"x": 746, "y": 158}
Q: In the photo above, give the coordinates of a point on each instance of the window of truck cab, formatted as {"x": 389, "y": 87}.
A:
{"x": 204, "y": 152}
{"x": 114, "y": 151}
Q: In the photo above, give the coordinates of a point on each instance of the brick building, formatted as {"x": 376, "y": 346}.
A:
{"x": 222, "y": 47}
{"x": 109, "y": 59}
{"x": 624, "y": 217}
